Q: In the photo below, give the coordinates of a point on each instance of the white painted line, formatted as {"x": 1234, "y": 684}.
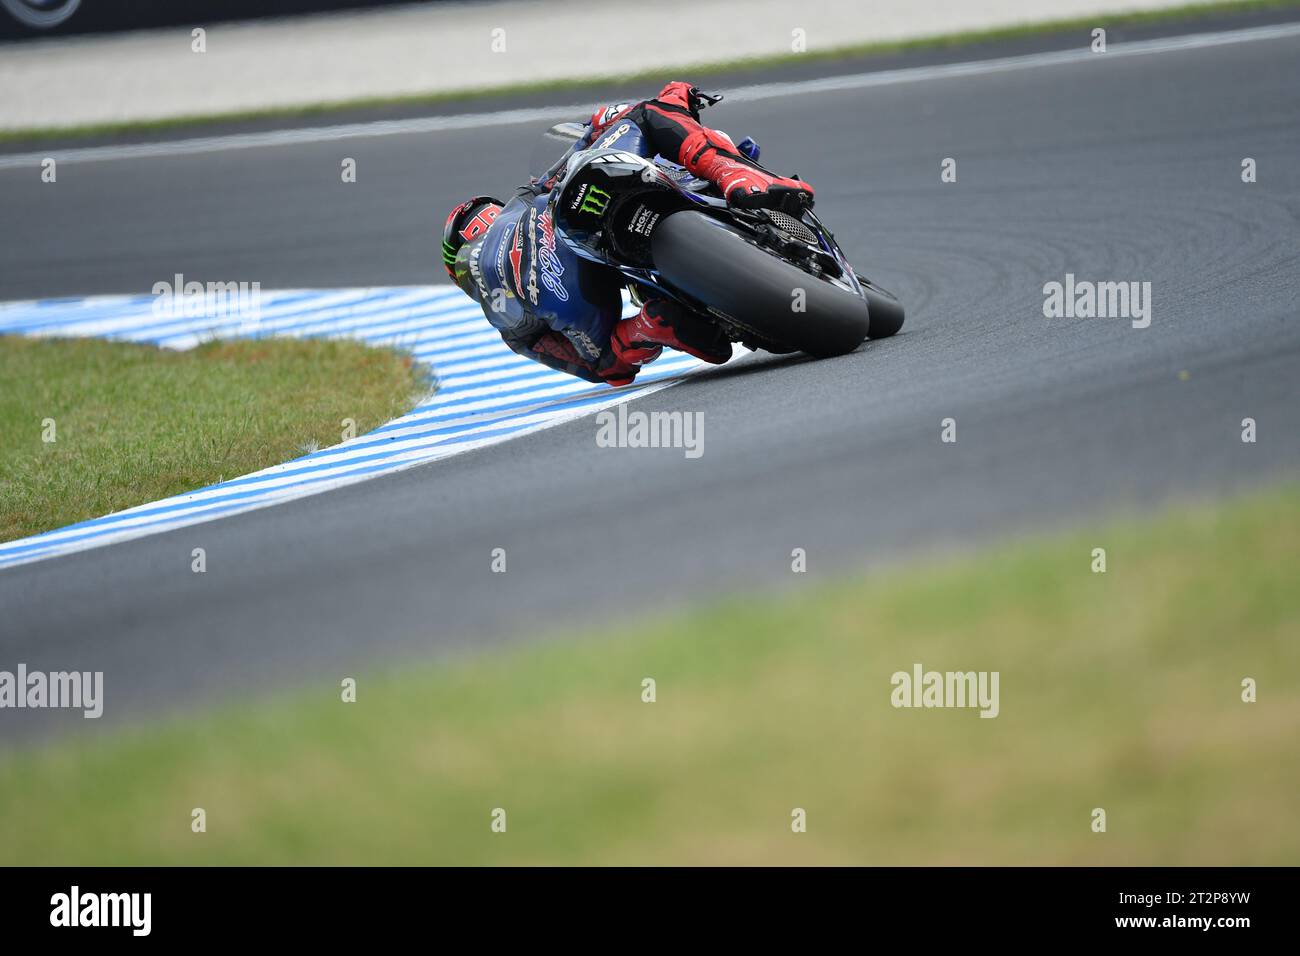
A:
{"x": 856, "y": 81}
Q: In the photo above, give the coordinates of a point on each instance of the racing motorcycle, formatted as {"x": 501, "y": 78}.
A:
{"x": 771, "y": 280}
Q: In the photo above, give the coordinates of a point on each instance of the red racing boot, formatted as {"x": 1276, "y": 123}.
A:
{"x": 672, "y": 122}
{"x": 710, "y": 155}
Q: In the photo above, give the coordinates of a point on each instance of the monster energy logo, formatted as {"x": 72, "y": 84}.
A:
{"x": 594, "y": 201}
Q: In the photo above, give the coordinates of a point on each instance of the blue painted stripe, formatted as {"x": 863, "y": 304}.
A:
{"x": 487, "y": 393}
{"x": 131, "y": 305}
{"x": 367, "y": 465}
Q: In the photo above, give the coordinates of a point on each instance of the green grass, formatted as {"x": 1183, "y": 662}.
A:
{"x": 699, "y": 72}
{"x": 133, "y": 423}
{"x": 1118, "y": 690}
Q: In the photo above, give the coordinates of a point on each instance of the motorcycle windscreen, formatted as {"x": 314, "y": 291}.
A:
{"x": 550, "y": 145}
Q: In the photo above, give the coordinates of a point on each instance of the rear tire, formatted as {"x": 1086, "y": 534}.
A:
{"x": 755, "y": 290}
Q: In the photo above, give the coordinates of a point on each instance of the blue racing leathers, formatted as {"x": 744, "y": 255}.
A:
{"x": 546, "y": 301}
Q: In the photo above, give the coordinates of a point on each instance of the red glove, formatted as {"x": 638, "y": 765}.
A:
{"x": 606, "y": 116}
{"x": 623, "y": 359}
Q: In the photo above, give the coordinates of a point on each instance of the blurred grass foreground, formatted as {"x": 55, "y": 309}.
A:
{"x": 1120, "y": 691}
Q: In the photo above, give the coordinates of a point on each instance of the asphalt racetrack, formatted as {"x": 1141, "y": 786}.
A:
{"x": 1121, "y": 169}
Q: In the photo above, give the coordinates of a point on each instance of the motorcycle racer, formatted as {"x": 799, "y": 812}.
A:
{"x": 564, "y": 311}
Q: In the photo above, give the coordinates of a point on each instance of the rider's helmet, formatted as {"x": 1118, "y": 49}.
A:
{"x": 467, "y": 223}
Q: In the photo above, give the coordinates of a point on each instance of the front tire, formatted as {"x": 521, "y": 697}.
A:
{"x": 755, "y": 291}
